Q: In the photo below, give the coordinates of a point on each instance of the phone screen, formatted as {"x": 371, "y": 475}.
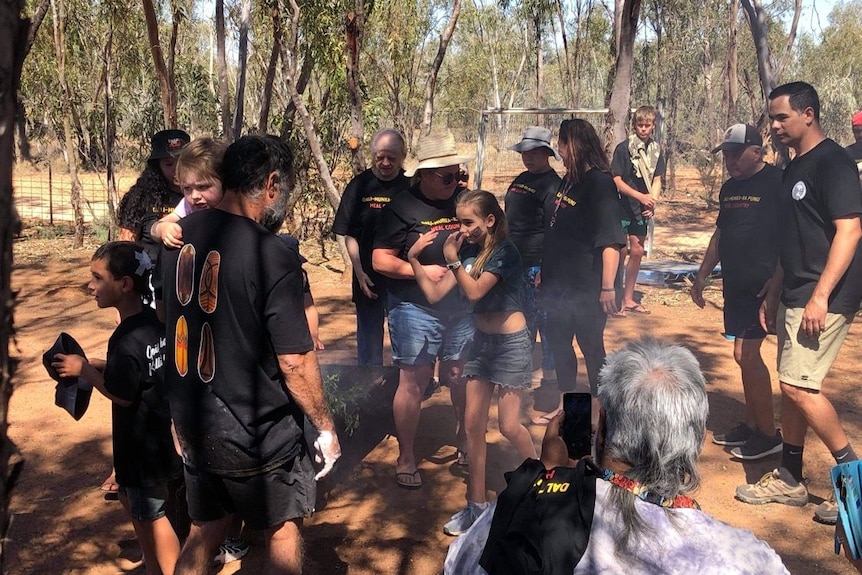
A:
{"x": 577, "y": 425}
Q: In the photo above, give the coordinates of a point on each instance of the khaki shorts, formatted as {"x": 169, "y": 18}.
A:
{"x": 802, "y": 361}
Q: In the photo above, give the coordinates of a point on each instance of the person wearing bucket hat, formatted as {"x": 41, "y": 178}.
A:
{"x": 529, "y": 205}
{"x": 745, "y": 241}
{"x": 420, "y": 332}
{"x": 356, "y": 220}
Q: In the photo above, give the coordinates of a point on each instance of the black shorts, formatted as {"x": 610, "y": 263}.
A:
{"x": 262, "y": 501}
{"x": 741, "y": 316}
{"x": 636, "y": 226}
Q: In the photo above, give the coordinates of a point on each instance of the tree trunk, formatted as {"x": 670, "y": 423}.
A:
{"x": 571, "y": 79}
{"x": 21, "y": 113}
{"x": 224, "y": 95}
{"x": 430, "y": 87}
{"x": 266, "y": 95}
{"x": 540, "y": 68}
{"x": 169, "y": 109}
{"x": 288, "y": 62}
{"x": 619, "y": 100}
{"x": 355, "y": 30}
{"x": 13, "y": 48}
{"x": 110, "y": 136}
{"x": 732, "y": 67}
{"x": 243, "y": 68}
{"x": 59, "y": 17}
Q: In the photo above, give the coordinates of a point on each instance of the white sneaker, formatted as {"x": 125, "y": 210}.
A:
{"x": 462, "y": 520}
{"x": 231, "y": 550}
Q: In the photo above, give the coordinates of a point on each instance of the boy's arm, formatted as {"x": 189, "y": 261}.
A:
{"x": 646, "y": 200}
{"x": 77, "y": 366}
{"x": 313, "y": 319}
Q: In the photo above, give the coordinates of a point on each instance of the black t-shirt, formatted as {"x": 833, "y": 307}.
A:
{"x": 818, "y": 188}
{"x": 529, "y": 204}
{"x": 234, "y": 302}
{"x": 621, "y": 165}
{"x": 505, "y": 263}
{"x": 586, "y": 220}
{"x": 144, "y": 453}
{"x": 855, "y": 151}
{"x": 408, "y": 216}
{"x": 358, "y": 215}
{"x": 748, "y": 220}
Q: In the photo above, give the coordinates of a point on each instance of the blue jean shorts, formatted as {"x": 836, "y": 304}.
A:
{"x": 504, "y": 359}
{"x": 146, "y": 503}
{"x": 420, "y": 337}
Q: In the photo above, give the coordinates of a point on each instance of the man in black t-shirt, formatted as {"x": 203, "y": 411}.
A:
{"x": 241, "y": 369}
{"x": 819, "y": 284}
{"x": 746, "y": 244}
{"x": 357, "y": 220}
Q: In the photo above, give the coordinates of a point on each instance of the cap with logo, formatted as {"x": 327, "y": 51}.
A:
{"x": 739, "y": 135}
{"x": 167, "y": 144}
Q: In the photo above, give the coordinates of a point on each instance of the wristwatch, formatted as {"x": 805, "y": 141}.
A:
{"x": 454, "y": 265}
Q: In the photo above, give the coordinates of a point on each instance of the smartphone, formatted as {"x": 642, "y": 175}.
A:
{"x": 577, "y": 425}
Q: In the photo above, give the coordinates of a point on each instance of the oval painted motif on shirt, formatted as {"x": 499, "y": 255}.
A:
{"x": 206, "y": 355}
{"x": 181, "y": 347}
{"x": 208, "y": 288}
{"x": 185, "y": 274}
{"x": 799, "y": 190}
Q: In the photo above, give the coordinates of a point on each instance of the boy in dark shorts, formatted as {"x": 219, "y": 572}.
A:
{"x": 145, "y": 459}
{"x": 638, "y": 166}
{"x": 746, "y": 244}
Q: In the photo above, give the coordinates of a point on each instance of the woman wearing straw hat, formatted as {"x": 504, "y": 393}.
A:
{"x": 421, "y": 333}
{"x": 580, "y": 257}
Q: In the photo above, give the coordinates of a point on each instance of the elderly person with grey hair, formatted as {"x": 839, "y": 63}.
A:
{"x": 357, "y": 219}
{"x": 644, "y": 520}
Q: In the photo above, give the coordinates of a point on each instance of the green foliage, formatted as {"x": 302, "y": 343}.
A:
{"x": 344, "y": 401}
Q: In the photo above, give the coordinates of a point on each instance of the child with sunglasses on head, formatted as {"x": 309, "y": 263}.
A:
{"x": 486, "y": 266}
{"x": 145, "y": 458}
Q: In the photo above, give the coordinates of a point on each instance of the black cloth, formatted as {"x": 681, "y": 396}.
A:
{"x": 232, "y": 411}
{"x": 144, "y": 453}
{"x": 402, "y": 221}
{"x": 505, "y": 263}
{"x": 529, "y": 205}
{"x": 621, "y": 165}
{"x": 358, "y": 215}
{"x": 748, "y": 220}
{"x": 586, "y": 219}
{"x": 819, "y": 187}
{"x": 542, "y": 522}
{"x": 71, "y": 393}
{"x": 855, "y": 151}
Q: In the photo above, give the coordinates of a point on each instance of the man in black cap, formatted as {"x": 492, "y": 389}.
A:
{"x": 745, "y": 243}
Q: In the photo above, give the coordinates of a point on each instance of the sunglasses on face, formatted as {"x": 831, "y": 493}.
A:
{"x": 446, "y": 178}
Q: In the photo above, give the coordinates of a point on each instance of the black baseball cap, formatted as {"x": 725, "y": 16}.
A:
{"x": 168, "y": 143}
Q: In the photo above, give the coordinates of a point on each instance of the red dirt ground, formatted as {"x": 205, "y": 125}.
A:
{"x": 366, "y": 525}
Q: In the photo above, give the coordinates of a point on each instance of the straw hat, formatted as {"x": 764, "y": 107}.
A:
{"x": 437, "y": 151}
{"x": 535, "y": 137}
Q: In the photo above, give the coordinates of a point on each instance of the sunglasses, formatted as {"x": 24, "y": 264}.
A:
{"x": 447, "y": 179}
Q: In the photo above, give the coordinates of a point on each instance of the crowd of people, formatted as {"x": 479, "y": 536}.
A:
{"x": 465, "y": 285}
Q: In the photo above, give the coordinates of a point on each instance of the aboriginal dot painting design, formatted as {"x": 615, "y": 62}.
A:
{"x": 186, "y": 274}
{"x": 206, "y": 355}
{"x": 181, "y": 347}
{"x": 208, "y": 288}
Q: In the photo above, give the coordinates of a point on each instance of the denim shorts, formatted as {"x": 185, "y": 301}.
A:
{"x": 504, "y": 359}
{"x": 420, "y": 337}
{"x": 146, "y": 503}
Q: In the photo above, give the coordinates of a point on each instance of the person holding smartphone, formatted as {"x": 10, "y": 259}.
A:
{"x": 650, "y": 432}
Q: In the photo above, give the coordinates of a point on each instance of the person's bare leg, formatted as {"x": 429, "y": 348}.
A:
{"x": 197, "y": 554}
{"x": 479, "y": 393}
{"x": 811, "y": 409}
{"x": 633, "y": 266}
{"x": 159, "y": 544}
{"x": 451, "y": 370}
{"x": 284, "y": 548}
{"x": 756, "y": 384}
{"x": 509, "y": 418}
{"x": 406, "y": 407}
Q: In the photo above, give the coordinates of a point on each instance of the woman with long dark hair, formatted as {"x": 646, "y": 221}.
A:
{"x": 580, "y": 257}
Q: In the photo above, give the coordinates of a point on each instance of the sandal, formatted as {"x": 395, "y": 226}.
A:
{"x": 638, "y": 309}
{"x": 545, "y": 418}
{"x": 408, "y": 480}
{"x": 109, "y": 485}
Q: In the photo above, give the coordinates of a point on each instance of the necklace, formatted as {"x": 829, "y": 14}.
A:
{"x": 641, "y": 492}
